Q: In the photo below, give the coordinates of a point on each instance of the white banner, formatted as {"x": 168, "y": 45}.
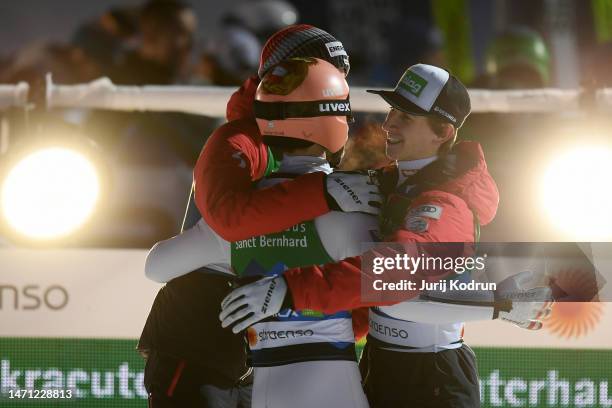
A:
{"x": 211, "y": 100}
{"x": 74, "y": 293}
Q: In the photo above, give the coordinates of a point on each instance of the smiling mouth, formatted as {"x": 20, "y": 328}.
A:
{"x": 393, "y": 140}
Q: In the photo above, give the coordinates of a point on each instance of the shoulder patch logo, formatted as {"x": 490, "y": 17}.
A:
{"x": 416, "y": 224}
{"x": 427, "y": 210}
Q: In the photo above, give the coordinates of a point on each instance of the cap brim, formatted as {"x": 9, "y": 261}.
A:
{"x": 398, "y": 102}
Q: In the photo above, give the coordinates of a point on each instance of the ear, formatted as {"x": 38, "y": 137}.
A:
{"x": 447, "y": 134}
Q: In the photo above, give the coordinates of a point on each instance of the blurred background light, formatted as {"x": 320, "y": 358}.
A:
{"x": 50, "y": 193}
{"x": 576, "y": 193}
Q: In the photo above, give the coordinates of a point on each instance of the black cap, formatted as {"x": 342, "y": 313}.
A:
{"x": 429, "y": 90}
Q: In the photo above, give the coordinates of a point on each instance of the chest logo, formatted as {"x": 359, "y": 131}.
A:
{"x": 427, "y": 210}
{"x": 416, "y": 224}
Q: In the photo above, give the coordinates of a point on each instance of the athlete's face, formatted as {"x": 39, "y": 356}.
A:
{"x": 409, "y": 137}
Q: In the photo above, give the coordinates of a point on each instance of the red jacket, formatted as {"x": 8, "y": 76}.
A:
{"x": 337, "y": 286}
{"x": 232, "y": 159}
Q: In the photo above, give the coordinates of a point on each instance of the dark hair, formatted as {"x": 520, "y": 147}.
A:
{"x": 163, "y": 11}
{"x": 438, "y": 126}
{"x": 126, "y": 19}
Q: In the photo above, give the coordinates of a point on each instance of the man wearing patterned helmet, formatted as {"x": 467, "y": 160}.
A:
{"x": 235, "y": 156}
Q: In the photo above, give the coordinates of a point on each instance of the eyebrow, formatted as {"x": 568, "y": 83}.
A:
{"x": 404, "y": 115}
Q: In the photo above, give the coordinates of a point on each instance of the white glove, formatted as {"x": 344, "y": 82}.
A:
{"x": 251, "y": 303}
{"x": 527, "y": 306}
{"x": 352, "y": 192}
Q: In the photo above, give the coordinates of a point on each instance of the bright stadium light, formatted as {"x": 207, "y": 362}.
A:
{"x": 49, "y": 193}
{"x": 577, "y": 194}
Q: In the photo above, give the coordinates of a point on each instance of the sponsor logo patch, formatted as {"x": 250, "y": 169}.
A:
{"x": 416, "y": 224}
{"x": 267, "y": 335}
{"x": 445, "y": 113}
{"x": 264, "y": 307}
{"x": 387, "y": 331}
{"x": 350, "y": 192}
{"x": 335, "y": 48}
{"x": 427, "y": 210}
{"x": 413, "y": 83}
{"x": 333, "y": 92}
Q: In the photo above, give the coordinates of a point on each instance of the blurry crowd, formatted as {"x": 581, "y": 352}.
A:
{"x": 155, "y": 43}
{"x": 158, "y": 43}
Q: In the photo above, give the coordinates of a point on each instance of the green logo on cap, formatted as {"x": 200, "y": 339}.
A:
{"x": 412, "y": 83}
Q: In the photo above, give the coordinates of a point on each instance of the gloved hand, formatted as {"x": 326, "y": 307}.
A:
{"x": 523, "y": 307}
{"x": 352, "y": 192}
{"x": 251, "y": 303}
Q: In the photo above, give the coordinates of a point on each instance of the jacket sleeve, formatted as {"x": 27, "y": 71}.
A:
{"x": 192, "y": 249}
{"x": 225, "y": 194}
{"x": 240, "y": 105}
{"x": 338, "y": 286}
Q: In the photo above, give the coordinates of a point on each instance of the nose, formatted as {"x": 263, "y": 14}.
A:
{"x": 389, "y": 123}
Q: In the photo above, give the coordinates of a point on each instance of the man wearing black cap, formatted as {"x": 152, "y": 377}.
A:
{"x": 426, "y": 90}
{"x": 436, "y": 192}
{"x": 431, "y": 367}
